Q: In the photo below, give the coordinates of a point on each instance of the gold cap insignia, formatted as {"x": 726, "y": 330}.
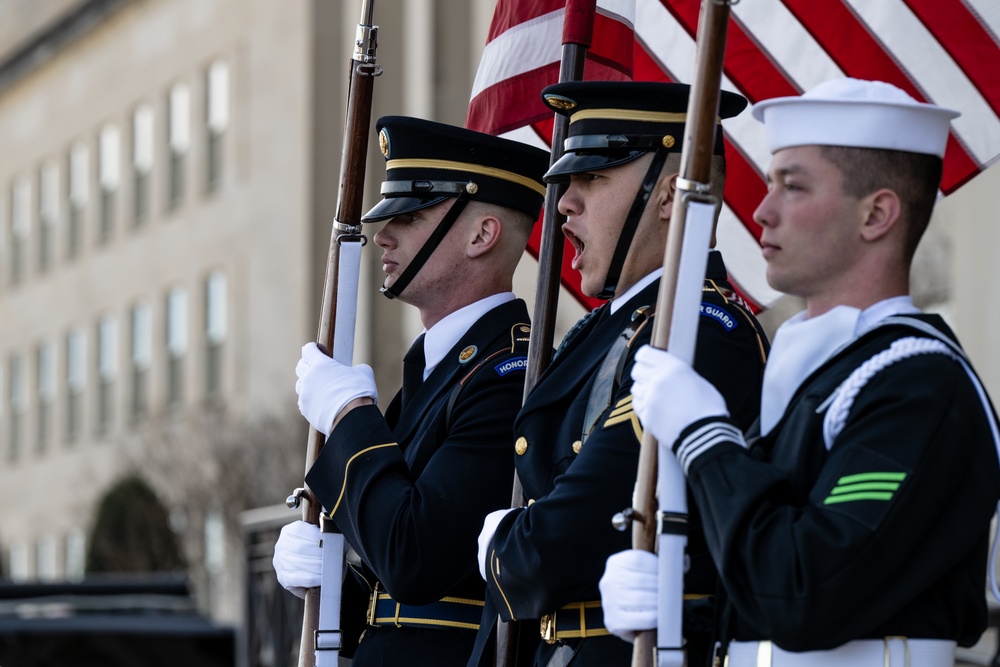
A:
{"x": 560, "y": 102}
{"x": 383, "y": 142}
{"x": 669, "y": 141}
{"x": 577, "y": 446}
{"x": 521, "y": 446}
{"x": 467, "y": 354}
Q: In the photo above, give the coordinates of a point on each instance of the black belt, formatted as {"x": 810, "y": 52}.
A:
{"x": 448, "y": 612}
{"x": 574, "y": 621}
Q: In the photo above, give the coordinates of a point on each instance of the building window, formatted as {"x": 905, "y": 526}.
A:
{"x": 45, "y": 368}
{"x": 177, "y": 341}
{"x": 47, "y": 558}
{"x": 79, "y": 193}
{"x": 178, "y": 142}
{"x": 76, "y": 382}
{"x": 48, "y": 214}
{"x": 20, "y": 228}
{"x": 107, "y": 369}
{"x": 109, "y": 170}
{"x": 142, "y": 163}
{"x": 20, "y": 562}
{"x": 142, "y": 353}
{"x": 216, "y": 121}
{"x": 215, "y": 331}
{"x": 76, "y": 555}
{"x": 3, "y": 231}
{"x": 17, "y": 395}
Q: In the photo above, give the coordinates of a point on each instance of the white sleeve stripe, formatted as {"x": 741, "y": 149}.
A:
{"x": 704, "y": 438}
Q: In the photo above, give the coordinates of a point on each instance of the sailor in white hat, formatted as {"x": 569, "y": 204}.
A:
{"x": 851, "y": 524}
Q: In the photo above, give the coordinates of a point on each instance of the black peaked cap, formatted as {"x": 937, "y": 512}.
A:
{"x": 428, "y": 162}
{"x": 614, "y": 122}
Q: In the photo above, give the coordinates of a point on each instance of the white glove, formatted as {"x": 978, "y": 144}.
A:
{"x": 490, "y": 524}
{"x": 298, "y": 557}
{"x": 629, "y": 593}
{"x": 325, "y": 386}
{"x": 668, "y": 395}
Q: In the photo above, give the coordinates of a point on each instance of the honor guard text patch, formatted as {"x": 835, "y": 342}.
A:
{"x": 719, "y": 314}
{"x": 515, "y": 364}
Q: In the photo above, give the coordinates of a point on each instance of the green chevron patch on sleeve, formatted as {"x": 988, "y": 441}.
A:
{"x": 865, "y": 486}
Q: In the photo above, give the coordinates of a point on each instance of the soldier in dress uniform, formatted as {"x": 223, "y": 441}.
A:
{"x": 409, "y": 489}
{"x": 577, "y": 438}
{"x": 854, "y": 529}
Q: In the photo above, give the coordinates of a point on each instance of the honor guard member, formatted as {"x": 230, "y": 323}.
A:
{"x": 854, "y": 529}
{"x": 409, "y": 489}
{"x": 576, "y": 437}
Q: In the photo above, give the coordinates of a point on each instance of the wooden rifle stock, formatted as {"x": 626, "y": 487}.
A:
{"x": 346, "y": 228}
{"x": 550, "y": 254}
{"x": 696, "y": 166}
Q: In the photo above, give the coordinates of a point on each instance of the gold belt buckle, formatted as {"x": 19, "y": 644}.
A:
{"x": 548, "y": 628}
{"x": 372, "y": 601}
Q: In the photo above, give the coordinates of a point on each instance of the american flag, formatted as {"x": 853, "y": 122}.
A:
{"x": 945, "y": 52}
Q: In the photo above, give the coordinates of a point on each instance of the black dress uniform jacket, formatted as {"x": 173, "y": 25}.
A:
{"x": 553, "y": 552}
{"x": 883, "y": 535}
{"x": 410, "y": 491}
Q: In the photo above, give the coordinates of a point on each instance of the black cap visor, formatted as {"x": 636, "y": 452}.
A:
{"x": 390, "y": 207}
{"x": 584, "y": 161}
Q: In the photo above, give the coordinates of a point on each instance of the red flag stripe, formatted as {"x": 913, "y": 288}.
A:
{"x": 860, "y": 55}
{"x": 968, "y": 42}
{"x": 501, "y": 79}
{"x": 490, "y": 113}
{"x": 935, "y": 73}
{"x": 942, "y": 51}
{"x": 512, "y": 13}
{"x": 828, "y": 23}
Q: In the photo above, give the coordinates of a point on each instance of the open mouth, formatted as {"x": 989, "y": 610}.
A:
{"x": 578, "y": 246}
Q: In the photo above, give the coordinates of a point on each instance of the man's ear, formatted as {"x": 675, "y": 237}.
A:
{"x": 664, "y": 193}
{"x": 880, "y": 214}
{"x": 484, "y": 236}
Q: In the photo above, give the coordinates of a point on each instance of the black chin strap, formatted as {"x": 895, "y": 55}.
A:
{"x": 429, "y": 246}
{"x": 632, "y": 223}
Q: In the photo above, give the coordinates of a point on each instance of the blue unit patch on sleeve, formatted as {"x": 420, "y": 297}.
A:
{"x": 720, "y": 315}
{"x": 513, "y": 364}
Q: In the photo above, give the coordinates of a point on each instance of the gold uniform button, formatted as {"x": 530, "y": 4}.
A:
{"x": 521, "y": 446}
{"x": 531, "y": 501}
{"x": 577, "y": 446}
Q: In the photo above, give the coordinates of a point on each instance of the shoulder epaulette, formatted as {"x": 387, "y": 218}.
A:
{"x": 519, "y": 335}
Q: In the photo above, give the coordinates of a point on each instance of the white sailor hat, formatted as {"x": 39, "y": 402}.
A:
{"x": 855, "y": 113}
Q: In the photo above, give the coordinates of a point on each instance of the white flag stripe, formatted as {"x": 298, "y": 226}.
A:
{"x": 526, "y": 135}
{"x": 744, "y": 260}
{"x": 665, "y": 39}
{"x": 622, "y": 10}
{"x": 749, "y": 135}
{"x": 988, "y": 12}
{"x": 934, "y": 72}
{"x": 536, "y": 42}
{"x": 789, "y": 44}
{"x": 671, "y": 45}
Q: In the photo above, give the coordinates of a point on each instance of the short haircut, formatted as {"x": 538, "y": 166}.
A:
{"x": 717, "y": 175}
{"x": 914, "y": 177}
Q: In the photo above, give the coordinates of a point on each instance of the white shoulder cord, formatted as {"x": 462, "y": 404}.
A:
{"x": 842, "y": 399}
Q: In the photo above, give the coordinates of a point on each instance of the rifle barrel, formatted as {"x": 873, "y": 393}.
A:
{"x": 696, "y": 166}
{"x": 347, "y": 223}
